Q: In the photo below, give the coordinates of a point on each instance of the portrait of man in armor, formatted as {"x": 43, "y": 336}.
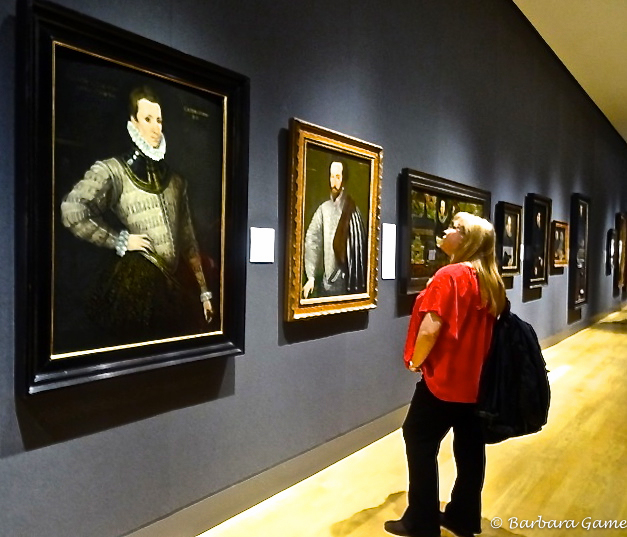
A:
{"x": 140, "y": 293}
{"x": 137, "y": 236}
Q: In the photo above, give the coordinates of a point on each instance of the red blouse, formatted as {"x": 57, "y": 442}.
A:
{"x": 453, "y": 367}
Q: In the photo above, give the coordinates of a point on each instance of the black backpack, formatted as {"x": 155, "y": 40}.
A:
{"x": 514, "y": 391}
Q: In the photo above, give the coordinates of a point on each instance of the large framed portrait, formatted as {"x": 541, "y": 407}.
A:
{"x": 578, "y": 263}
{"x": 536, "y": 251}
{"x": 131, "y": 253}
{"x": 559, "y": 244}
{"x": 620, "y": 254}
{"x": 508, "y": 228}
{"x": 427, "y": 206}
{"x": 333, "y": 222}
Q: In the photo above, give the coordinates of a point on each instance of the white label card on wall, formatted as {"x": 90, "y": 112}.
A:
{"x": 388, "y": 251}
{"x": 261, "y": 245}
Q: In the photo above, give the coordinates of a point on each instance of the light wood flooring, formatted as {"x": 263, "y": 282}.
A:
{"x": 575, "y": 469}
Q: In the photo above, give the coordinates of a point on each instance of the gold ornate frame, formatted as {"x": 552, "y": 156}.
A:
{"x": 312, "y": 149}
{"x": 559, "y": 260}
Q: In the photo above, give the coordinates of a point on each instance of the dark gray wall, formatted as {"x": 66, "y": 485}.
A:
{"x": 461, "y": 89}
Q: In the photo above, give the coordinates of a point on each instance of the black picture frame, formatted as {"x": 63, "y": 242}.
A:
{"x": 74, "y": 78}
{"x": 508, "y": 228}
{"x": 578, "y": 262}
{"x": 420, "y": 195}
{"x": 536, "y": 241}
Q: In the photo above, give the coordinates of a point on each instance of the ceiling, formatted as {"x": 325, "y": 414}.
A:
{"x": 590, "y": 38}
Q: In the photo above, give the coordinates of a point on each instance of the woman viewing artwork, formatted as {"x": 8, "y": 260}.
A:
{"x": 447, "y": 343}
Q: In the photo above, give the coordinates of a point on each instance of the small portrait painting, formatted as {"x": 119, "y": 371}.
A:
{"x": 508, "y": 230}
{"x": 559, "y": 244}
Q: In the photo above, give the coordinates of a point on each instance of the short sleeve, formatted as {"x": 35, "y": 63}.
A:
{"x": 443, "y": 298}
{"x": 412, "y": 331}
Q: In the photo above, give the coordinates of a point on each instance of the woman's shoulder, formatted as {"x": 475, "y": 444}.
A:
{"x": 455, "y": 269}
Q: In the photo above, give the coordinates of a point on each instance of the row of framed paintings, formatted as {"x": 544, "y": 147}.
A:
{"x": 429, "y": 203}
{"x": 85, "y": 313}
{"x": 133, "y": 258}
{"x": 549, "y": 245}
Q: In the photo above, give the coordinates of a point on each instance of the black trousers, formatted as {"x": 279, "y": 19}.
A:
{"x": 428, "y": 421}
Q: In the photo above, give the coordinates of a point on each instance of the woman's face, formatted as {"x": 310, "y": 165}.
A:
{"x": 452, "y": 239}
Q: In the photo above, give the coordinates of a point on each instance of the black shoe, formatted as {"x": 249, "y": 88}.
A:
{"x": 447, "y": 525}
{"x": 396, "y": 527}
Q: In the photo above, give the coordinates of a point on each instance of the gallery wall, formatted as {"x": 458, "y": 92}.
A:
{"x": 464, "y": 90}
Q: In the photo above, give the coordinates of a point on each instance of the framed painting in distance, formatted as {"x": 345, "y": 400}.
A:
{"x": 578, "y": 263}
{"x": 536, "y": 251}
{"x": 610, "y": 248}
{"x": 332, "y": 239}
{"x": 508, "y": 228}
{"x": 427, "y": 206}
{"x": 559, "y": 244}
{"x": 131, "y": 252}
{"x": 620, "y": 254}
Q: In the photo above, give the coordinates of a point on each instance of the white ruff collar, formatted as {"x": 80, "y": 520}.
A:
{"x": 155, "y": 153}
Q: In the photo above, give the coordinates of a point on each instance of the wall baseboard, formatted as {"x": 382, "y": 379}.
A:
{"x": 215, "y": 509}
{"x": 577, "y": 327}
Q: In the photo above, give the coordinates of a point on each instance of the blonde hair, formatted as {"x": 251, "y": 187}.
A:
{"x": 477, "y": 249}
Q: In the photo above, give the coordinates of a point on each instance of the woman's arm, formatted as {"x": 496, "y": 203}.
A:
{"x": 427, "y": 336}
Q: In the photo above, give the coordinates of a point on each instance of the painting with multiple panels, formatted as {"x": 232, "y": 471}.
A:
{"x": 428, "y": 204}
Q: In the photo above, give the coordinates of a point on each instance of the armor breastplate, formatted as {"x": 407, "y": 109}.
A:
{"x": 150, "y": 203}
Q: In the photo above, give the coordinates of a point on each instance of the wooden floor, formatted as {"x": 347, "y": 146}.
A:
{"x": 574, "y": 470}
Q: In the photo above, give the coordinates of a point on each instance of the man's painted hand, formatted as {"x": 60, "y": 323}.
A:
{"x": 308, "y": 287}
